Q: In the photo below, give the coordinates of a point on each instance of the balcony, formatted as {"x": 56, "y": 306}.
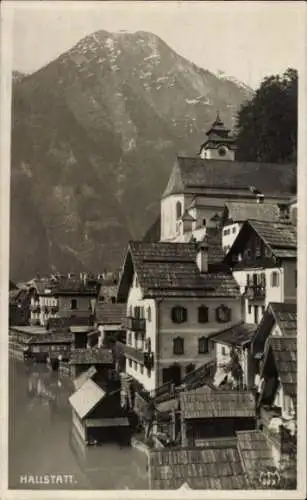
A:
{"x": 255, "y": 292}
{"x": 136, "y": 324}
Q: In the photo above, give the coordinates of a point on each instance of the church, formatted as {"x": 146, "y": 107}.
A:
{"x": 213, "y": 189}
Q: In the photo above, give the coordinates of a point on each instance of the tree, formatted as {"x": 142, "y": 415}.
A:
{"x": 267, "y": 125}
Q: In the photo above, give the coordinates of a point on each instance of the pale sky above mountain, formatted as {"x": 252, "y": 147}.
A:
{"x": 247, "y": 40}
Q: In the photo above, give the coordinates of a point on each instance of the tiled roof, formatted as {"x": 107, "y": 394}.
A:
{"x": 217, "y": 404}
{"x": 239, "y": 334}
{"x": 64, "y": 285}
{"x": 280, "y": 237}
{"x": 169, "y": 269}
{"x": 200, "y": 468}
{"x": 83, "y": 377}
{"x": 239, "y": 211}
{"x": 255, "y": 451}
{"x": 285, "y": 316}
{"x": 107, "y": 291}
{"x": 188, "y": 174}
{"x": 52, "y": 338}
{"x": 110, "y": 314}
{"x": 284, "y": 350}
{"x": 85, "y": 399}
{"x": 97, "y": 355}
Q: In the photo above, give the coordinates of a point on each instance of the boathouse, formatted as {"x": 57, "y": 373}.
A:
{"x": 207, "y": 413}
{"x": 97, "y": 415}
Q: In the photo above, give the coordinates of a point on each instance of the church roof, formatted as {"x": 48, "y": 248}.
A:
{"x": 192, "y": 174}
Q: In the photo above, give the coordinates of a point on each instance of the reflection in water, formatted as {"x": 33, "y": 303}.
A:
{"x": 42, "y": 441}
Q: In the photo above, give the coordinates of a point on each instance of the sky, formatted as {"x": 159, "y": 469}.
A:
{"x": 246, "y": 40}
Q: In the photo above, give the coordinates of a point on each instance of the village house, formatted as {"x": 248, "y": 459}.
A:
{"x": 62, "y": 296}
{"x": 263, "y": 259}
{"x": 97, "y": 415}
{"x": 212, "y": 413}
{"x": 110, "y": 320}
{"x": 234, "y": 358}
{"x": 19, "y": 306}
{"x": 277, "y": 397}
{"x": 208, "y": 189}
{"x": 176, "y": 299}
{"x": 50, "y": 346}
{"x": 279, "y": 319}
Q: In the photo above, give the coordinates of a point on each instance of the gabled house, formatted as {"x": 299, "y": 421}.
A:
{"x": 278, "y": 376}
{"x": 279, "y": 319}
{"x": 234, "y": 358}
{"x": 263, "y": 259}
{"x": 277, "y": 398}
{"x": 82, "y": 359}
{"x": 110, "y": 320}
{"x": 176, "y": 299}
{"x": 62, "y": 296}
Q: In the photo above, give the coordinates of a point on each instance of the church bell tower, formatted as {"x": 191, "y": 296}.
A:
{"x": 219, "y": 144}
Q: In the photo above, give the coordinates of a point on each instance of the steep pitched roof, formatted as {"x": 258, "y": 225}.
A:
{"x": 284, "y": 350}
{"x": 211, "y": 467}
{"x": 170, "y": 270}
{"x": 217, "y": 404}
{"x": 239, "y": 334}
{"x": 110, "y": 314}
{"x": 282, "y": 314}
{"x": 85, "y": 399}
{"x": 255, "y": 451}
{"x": 280, "y": 237}
{"x": 190, "y": 174}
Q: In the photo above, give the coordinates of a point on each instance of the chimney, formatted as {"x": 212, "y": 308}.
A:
{"x": 202, "y": 257}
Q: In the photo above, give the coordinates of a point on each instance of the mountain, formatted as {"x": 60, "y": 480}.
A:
{"x": 94, "y": 137}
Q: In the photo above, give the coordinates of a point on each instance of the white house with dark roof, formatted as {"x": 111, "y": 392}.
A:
{"x": 201, "y": 186}
{"x": 263, "y": 259}
{"x": 176, "y": 299}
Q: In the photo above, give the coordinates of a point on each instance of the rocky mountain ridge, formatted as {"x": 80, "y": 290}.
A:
{"x": 94, "y": 137}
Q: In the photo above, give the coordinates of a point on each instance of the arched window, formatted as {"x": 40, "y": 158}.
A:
{"x": 203, "y": 314}
{"x": 203, "y": 345}
{"x": 204, "y": 222}
{"x": 178, "y": 346}
{"x": 275, "y": 279}
{"x": 179, "y": 314}
{"x": 178, "y": 210}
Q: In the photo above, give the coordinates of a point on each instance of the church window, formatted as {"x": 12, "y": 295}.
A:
{"x": 222, "y": 151}
{"x": 204, "y": 222}
{"x": 178, "y": 210}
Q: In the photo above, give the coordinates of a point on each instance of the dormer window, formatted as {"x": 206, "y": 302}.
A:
{"x": 179, "y": 314}
{"x": 178, "y": 210}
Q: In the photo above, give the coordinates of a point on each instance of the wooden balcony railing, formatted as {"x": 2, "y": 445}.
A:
{"x": 255, "y": 292}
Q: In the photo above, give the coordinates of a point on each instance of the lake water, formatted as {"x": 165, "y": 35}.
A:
{"x": 44, "y": 450}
